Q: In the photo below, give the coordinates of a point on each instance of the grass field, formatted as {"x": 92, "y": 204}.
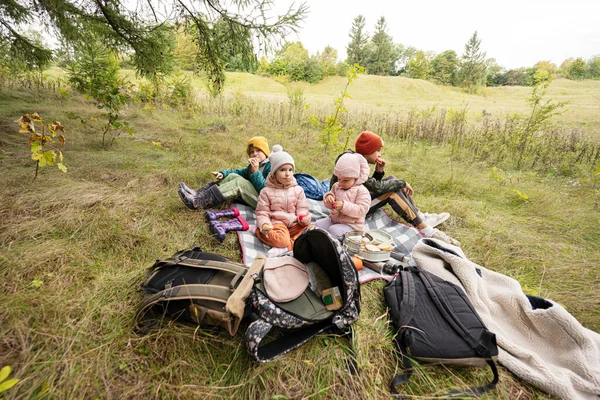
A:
{"x": 74, "y": 248}
{"x": 398, "y": 94}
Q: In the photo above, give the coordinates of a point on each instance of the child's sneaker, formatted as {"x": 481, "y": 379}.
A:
{"x": 437, "y": 234}
{"x": 434, "y": 220}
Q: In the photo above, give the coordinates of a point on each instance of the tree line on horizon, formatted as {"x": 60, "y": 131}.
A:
{"x": 379, "y": 55}
{"x": 213, "y": 40}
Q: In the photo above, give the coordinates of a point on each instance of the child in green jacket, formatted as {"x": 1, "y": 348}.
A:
{"x": 232, "y": 184}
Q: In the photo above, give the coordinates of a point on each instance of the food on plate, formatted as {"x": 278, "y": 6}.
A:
{"x": 365, "y": 240}
{"x": 385, "y": 246}
{"x": 371, "y": 247}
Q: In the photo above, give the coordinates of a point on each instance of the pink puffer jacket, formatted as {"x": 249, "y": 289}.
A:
{"x": 279, "y": 204}
{"x": 357, "y": 199}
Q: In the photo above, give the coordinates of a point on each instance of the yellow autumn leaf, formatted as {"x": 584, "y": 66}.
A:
{"x": 37, "y": 155}
{"x": 61, "y": 167}
{"x": 49, "y": 156}
{"x": 61, "y": 139}
{"x": 58, "y": 126}
{"x": 35, "y": 117}
{"x": 5, "y": 372}
{"x": 4, "y": 386}
{"x": 36, "y": 147}
{"x": 157, "y": 144}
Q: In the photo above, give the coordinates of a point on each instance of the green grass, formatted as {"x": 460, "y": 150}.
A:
{"x": 89, "y": 234}
{"x": 398, "y": 94}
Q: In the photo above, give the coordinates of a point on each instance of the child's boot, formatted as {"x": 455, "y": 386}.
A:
{"x": 186, "y": 189}
{"x": 187, "y": 199}
{"x": 220, "y": 228}
{"x": 212, "y": 215}
{"x": 208, "y": 196}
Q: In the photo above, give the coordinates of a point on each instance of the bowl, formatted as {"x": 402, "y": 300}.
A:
{"x": 352, "y": 244}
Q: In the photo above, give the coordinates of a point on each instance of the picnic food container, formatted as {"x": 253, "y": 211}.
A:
{"x": 364, "y": 244}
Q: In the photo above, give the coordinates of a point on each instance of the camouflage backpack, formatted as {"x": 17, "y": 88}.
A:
{"x": 301, "y": 319}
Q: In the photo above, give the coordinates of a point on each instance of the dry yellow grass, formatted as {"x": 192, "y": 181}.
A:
{"x": 74, "y": 248}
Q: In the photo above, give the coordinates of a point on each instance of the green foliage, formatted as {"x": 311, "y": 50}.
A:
{"x": 293, "y": 61}
{"x": 381, "y": 56}
{"x": 403, "y": 54}
{"x": 328, "y": 61}
{"x": 419, "y": 66}
{"x": 539, "y": 118}
{"x": 94, "y": 72}
{"x": 332, "y": 127}
{"x": 44, "y": 150}
{"x": 357, "y": 50}
{"x": 574, "y": 68}
{"x": 146, "y": 32}
{"x": 296, "y": 96}
{"x": 444, "y": 68}
{"x": 184, "y": 54}
{"x": 179, "y": 90}
{"x": 472, "y": 67}
{"x": 593, "y": 67}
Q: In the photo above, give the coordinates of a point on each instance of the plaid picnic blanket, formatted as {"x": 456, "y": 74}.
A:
{"x": 405, "y": 237}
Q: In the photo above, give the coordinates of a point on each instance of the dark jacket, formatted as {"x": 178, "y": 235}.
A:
{"x": 375, "y": 184}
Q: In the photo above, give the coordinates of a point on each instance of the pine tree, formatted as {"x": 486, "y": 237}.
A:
{"x": 473, "y": 68}
{"x": 146, "y": 28}
{"x": 359, "y": 40}
{"x": 381, "y": 57}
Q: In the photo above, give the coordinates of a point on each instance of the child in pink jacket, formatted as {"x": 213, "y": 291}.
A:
{"x": 348, "y": 198}
{"x": 282, "y": 211}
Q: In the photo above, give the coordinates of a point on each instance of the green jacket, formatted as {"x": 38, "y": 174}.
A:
{"x": 257, "y": 179}
{"x": 375, "y": 184}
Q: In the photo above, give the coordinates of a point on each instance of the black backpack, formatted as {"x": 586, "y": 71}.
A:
{"x": 301, "y": 319}
{"x": 191, "y": 286}
{"x": 436, "y": 323}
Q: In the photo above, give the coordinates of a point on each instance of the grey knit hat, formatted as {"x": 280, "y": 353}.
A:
{"x": 279, "y": 157}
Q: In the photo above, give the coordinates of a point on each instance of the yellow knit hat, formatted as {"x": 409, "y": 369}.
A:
{"x": 260, "y": 142}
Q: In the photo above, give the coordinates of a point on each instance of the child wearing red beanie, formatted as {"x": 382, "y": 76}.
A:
{"x": 395, "y": 192}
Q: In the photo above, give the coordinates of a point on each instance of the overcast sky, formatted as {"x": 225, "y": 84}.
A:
{"x": 517, "y": 33}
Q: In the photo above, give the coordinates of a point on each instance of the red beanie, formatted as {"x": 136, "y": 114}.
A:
{"x": 368, "y": 143}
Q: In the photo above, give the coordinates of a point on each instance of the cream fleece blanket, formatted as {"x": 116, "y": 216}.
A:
{"x": 546, "y": 347}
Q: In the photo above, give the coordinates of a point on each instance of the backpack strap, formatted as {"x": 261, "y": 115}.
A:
{"x": 404, "y": 337}
{"x": 480, "y": 348}
{"x": 184, "y": 292}
{"x": 237, "y": 269}
{"x": 259, "y": 328}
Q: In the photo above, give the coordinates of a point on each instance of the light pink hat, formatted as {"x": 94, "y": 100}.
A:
{"x": 285, "y": 278}
{"x": 352, "y": 165}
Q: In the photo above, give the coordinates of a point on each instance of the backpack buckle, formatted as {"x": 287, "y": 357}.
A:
{"x": 338, "y": 322}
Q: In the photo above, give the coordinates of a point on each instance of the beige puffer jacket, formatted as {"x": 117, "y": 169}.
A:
{"x": 279, "y": 204}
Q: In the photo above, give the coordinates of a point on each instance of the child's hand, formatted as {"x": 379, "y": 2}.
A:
{"x": 218, "y": 175}
{"x": 329, "y": 199}
{"x": 379, "y": 164}
{"x": 408, "y": 189}
{"x": 266, "y": 228}
{"x": 253, "y": 165}
{"x": 304, "y": 219}
{"x": 338, "y": 205}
